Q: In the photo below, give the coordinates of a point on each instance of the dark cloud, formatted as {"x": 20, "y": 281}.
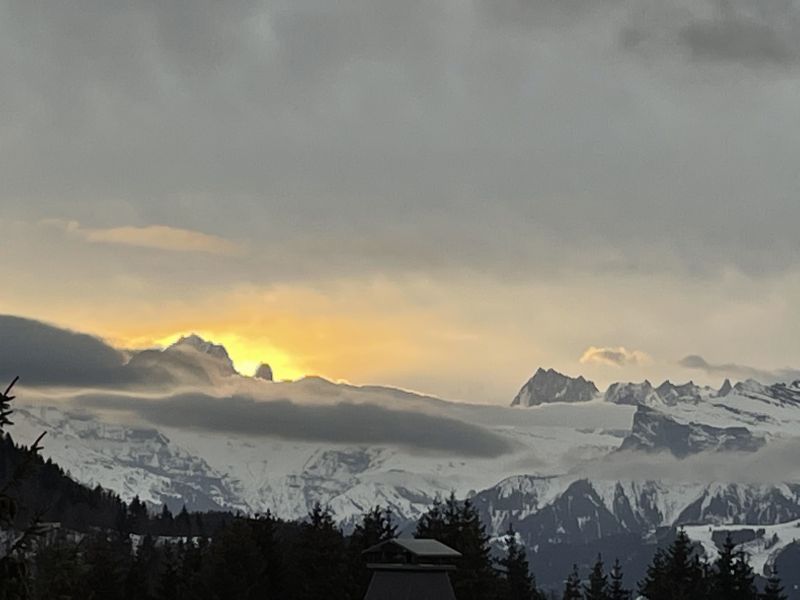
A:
{"x": 44, "y": 355}
{"x": 736, "y": 371}
{"x": 342, "y": 423}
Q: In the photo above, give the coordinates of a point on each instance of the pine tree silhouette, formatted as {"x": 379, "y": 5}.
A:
{"x": 572, "y": 586}
{"x": 723, "y": 583}
{"x": 677, "y": 574}
{"x": 458, "y": 525}
{"x": 14, "y": 567}
{"x": 597, "y": 587}
{"x": 520, "y": 583}
{"x": 376, "y": 526}
{"x": 616, "y": 590}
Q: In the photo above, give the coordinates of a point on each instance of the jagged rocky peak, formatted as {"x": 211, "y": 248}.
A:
{"x": 655, "y": 431}
{"x": 195, "y": 342}
{"x": 631, "y": 394}
{"x": 726, "y": 388}
{"x": 671, "y": 393}
{"x": 551, "y": 386}
{"x": 264, "y": 371}
{"x": 751, "y": 386}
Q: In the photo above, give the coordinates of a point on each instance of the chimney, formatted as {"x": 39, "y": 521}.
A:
{"x": 410, "y": 568}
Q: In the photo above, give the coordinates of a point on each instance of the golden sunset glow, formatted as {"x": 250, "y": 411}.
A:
{"x": 247, "y": 355}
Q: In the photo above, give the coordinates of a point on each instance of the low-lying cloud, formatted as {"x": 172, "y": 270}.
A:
{"x": 776, "y": 462}
{"x": 614, "y": 356}
{"x": 737, "y": 371}
{"x": 342, "y": 423}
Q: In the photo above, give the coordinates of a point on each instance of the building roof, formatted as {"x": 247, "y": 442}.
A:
{"x": 423, "y": 548}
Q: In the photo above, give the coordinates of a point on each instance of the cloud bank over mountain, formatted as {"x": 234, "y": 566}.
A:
{"x": 737, "y": 371}
{"x": 339, "y": 423}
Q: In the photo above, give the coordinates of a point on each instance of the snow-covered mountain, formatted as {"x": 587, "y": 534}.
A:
{"x": 551, "y": 386}
{"x": 565, "y": 510}
{"x": 566, "y": 463}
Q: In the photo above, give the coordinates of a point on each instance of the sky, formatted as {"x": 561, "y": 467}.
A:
{"x": 439, "y": 195}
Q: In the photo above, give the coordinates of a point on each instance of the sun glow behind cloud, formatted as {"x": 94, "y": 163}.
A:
{"x": 248, "y": 354}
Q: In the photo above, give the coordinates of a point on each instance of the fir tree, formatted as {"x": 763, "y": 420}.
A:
{"x": 572, "y": 586}
{"x": 14, "y": 567}
{"x": 519, "y": 582}
{"x": 142, "y": 570}
{"x": 321, "y": 557}
{"x": 597, "y": 587}
{"x": 723, "y": 584}
{"x": 432, "y": 523}
{"x": 59, "y": 571}
{"x": 616, "y": 590}
{"x": 677, "y": 574}
{"x": 376, "y": 526}
{"x": 107, "y": 556}
{"x": 168, "y": 579}
{"x": 773, "y": 590}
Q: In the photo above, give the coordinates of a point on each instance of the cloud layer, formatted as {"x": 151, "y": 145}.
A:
{"x": 736, "y": 371}
{"x": 340, "y": 423}
{"x": 521, "y": 137}
{"x": 553, "y": 172}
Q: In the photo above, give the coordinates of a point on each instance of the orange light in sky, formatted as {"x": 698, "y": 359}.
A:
{"x": 247, "y": 354}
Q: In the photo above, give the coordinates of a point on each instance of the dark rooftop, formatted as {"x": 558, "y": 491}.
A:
{"x": 421, "y": 548}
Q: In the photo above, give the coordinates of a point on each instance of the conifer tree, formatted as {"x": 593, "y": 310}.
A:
{"x": 597, "y": 587}
{"x": 107, "y": 556}
{"x": 744, "y": 578}
{"x": 616, "y": 590}
{"x": 432, "y": 524}
{"x": 142, "y": 570}
{"x": 773, "y": 590}
{"x": 239, "y": 564}
{"x": 14, "y": 567}
{"x": 183, "y": 523}
{"x": 458, "y": 525}
{"x": 58, "y": 571}
{"x": 376, "y": 526}
{"x": 572, "y": 586}
{"x": 520, "y": 583}
{"x": 168, "y": 579}
{"x": 321, "y": 557}
{"x": 677, "y": 574}
{"x": 723, "y": 585}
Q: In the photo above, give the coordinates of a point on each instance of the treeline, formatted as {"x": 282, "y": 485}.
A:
{"x": 679, "y": 573}
{"x": 258, "y": 558}
{"x": 44, "y": 491}
{"x": 264, "y": 557}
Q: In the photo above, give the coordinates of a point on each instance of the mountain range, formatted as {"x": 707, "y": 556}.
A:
{"x": 568, "y": 465}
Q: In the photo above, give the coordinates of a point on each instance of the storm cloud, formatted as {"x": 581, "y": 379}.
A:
{"x": 41, "y": 354}
{"x": 341, "y": 423}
